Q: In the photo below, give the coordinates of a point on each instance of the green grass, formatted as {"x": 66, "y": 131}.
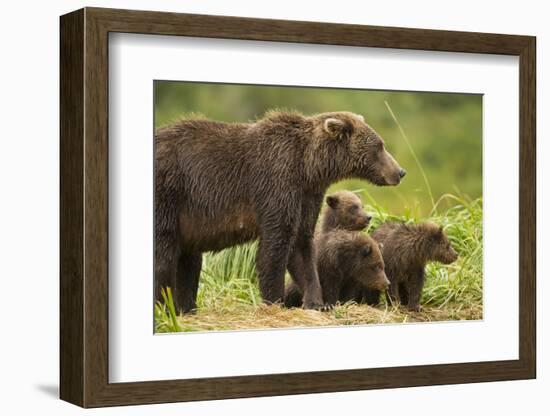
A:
{"x": 165, "y": 314}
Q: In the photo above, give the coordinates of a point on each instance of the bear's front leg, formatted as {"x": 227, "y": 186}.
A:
{"x": 271, "y": 263}
{"x": 393, "y": 291}
{"x": 301, "y": 265}
{"x": 416, "y": 283}
{"x": 304, "y": 273}
{"x": 403, "y": 293}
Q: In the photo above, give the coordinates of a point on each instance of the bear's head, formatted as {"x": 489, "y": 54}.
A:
{"x": 368, "y": 264}
{"x": 346, "y": 211}
{"x": 367, "y": 156}
{"x": 441, "y": 249}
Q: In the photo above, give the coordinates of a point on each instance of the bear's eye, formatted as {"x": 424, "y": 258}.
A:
{"x": 378, "y": 144}
{"x": 365, "y": 252}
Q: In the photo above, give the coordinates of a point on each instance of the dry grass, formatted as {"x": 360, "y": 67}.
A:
{"x": 240, "y": 317}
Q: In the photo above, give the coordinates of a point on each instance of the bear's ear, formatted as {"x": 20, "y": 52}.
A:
{"x": 381, "y": 245}
{"x": 332, "y": 201}
{"x": 366, "y": 250}
{"x": 438, "y": 233}
{"x": 337, "y": 128}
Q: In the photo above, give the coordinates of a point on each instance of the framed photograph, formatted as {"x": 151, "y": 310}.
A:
{"x": 254, "y": 207}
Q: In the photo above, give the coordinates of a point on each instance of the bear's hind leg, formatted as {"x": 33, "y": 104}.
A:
{"x": 166, "y": 250}
{"x": 187, "y": 282}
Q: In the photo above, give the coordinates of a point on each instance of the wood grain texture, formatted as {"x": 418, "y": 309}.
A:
{"x": 84, "y": 207}
{"x": 71, "y": 100}
{"x": 527, "y": 208}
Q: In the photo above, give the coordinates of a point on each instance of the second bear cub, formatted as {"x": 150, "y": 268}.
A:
{"x": 406, "y": 251}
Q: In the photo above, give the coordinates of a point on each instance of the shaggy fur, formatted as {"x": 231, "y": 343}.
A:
{"x": 221, "y": 184}
{"x": 406, "y": 251}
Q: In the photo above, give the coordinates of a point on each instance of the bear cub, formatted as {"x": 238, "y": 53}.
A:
{"x": 344, "y": 212}
{"x": 345, "y": 257}
{"x": 406, "y": 251}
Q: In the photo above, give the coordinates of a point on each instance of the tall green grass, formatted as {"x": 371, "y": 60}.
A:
{"x": 165, "y": 313}
{"x": 229, "y": 277}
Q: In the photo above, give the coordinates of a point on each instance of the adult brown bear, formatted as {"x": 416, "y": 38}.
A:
{"x": 221, "y": 184}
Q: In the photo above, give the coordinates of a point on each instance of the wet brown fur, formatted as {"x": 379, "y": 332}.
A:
{"x": 221, "y": 184}
{"x": 406, "y": 251}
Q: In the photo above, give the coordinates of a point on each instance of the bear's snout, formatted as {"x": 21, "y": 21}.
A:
{"x": 364, "y": 221}
{"x": 453, "y": 256}
{"x": 450, "y": 256}
{"x": 402, "y": 173}
{"x": 383, "y": 282}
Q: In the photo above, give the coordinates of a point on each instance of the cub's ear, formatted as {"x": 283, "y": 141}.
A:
{"x": 337, "y": 128}
{"x": 366, "y": 250}
{"x": 438, "y": 233}
{"x": 381, "y": 245}
{"x": 332, "y": 201}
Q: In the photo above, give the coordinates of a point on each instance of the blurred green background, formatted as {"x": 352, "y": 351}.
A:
{"x": 443, "y": 129}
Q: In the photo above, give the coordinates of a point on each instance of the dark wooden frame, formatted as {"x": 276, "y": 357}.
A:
{"x": 84, "y": 209}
